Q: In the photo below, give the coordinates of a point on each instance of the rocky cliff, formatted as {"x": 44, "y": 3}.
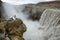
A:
{"x": 0, "y": 8}
{"x": 50, "y": 4}
{"x": 37, "y": 9}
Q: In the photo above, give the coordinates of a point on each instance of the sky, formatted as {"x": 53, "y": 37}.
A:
{"x": 18, "y": 2}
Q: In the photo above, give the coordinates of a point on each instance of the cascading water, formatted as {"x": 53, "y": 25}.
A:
{"x": 50, "y": 22}
{"x": 32, "y": 33}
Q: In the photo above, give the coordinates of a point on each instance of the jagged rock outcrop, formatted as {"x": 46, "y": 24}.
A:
{"x": 13, "y": 29}
{"x": 50, "y": 23}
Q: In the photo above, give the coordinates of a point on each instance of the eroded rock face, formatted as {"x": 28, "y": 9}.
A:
{"x": 35, "y": 16}
{"x": 0, "y": 8}
{"x": 33, "y": 12}
{"x": 13, "y": 28}
{"x": 38, "y": 8}
{"x": 50, "y": 21}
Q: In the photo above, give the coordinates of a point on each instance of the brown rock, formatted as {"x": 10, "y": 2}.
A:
{"x": 15, "y": 29}
{"x": 2, "y": 31}
{"x": 15, "y": 37}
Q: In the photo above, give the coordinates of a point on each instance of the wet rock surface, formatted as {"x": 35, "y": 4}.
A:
{"x": 33, "y": 12}
{"x": 13, "y": 29}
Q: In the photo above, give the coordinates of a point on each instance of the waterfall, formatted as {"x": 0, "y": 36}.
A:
{"x": 50, "y": 22}
{"x": 50, "y": 17}
{"x": 32, "y": 33}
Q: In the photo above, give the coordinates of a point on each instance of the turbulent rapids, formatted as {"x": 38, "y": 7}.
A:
{"x": 32, "y": 26}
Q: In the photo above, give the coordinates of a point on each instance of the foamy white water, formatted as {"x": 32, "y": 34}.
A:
{"x": 50, "y": 20}
{"x": 33, "y": 32}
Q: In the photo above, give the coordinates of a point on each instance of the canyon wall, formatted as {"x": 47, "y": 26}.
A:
{"x": 37, "y": 9}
